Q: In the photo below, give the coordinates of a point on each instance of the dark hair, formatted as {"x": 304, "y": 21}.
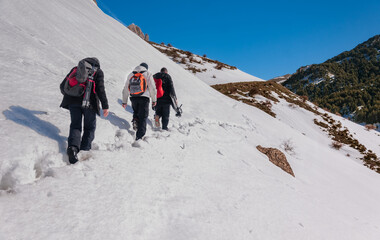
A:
{"x": 164, "y": 70}
{"x": 144, "y": 65}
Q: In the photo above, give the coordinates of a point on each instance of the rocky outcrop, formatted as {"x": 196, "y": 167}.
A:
{"x": 136, "y": 29}
{"x": 277, "y": 158}
{"x": 95, "y": 2}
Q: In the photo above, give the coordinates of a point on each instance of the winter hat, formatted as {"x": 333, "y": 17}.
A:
{"x": 164, "y": 70}
{"x": 96, "y": 60}
{"x": 144, "y": 65}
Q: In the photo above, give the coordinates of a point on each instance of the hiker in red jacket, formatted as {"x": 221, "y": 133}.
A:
{"x": 164, "y": 97}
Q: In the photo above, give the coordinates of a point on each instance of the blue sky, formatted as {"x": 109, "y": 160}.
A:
{"x": 263, "y": 38}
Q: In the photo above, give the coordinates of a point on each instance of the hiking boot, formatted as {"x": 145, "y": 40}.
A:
{"x": 156, "y": 121}
{"x": 134, "y": 124}
{"x": 72, "y": 152}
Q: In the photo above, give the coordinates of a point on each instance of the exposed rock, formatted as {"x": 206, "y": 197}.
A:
{"x": 136, "y": 29}
{"x": 277, "y": 158}
{"x": 95, "y": 2}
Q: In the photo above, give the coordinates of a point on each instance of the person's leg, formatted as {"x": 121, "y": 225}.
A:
{"x": 158, "y": 109}
{"x": 75, "y": 126}
{"x": 75, "y": 133}
{"x": 135, "y": 107}
{"x": 89, "y": 129}
{"x": 158, "y": 114}
{"x": 135, "y": 104}
{"x": 142, "y": 116}
{"x": 165, "y": 116}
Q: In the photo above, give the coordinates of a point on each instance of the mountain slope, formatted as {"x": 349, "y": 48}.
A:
{"x": 348, "y": 84}
{"x": 208, "y": 70}
{"x": 204, "y": 179}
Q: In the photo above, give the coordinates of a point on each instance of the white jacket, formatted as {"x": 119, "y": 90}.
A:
{"x": 151, "y": 85}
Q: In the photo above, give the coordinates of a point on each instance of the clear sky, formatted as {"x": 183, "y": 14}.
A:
{"x": 263, "y": 38}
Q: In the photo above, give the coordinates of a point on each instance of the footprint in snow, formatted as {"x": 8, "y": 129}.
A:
{"x": 139, "y": 143}
{"x": 85, "y": 155}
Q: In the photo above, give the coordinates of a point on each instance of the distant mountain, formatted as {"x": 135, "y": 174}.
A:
{"x": 348, "y": 84}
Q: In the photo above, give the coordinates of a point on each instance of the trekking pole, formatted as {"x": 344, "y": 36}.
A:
{"x": 179, "y": 111}
{"x": 87, "y": 92}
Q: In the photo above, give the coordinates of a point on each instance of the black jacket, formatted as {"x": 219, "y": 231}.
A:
{"x": 167, "y": 86}
{"x": 100, "y": 93}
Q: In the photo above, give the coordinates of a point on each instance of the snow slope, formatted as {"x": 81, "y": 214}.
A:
{"x": 204, "y": 179}
{"x": 205, "y": 68}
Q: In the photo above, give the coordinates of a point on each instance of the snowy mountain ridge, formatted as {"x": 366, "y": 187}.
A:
{"x": 208, "y": 70}
{"x": 204, "y": 179}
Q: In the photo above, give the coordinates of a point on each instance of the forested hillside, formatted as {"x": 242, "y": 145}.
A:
{"x": 348, "y": 84}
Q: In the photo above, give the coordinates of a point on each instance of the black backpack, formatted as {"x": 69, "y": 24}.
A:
{"x": 76, "y": 82}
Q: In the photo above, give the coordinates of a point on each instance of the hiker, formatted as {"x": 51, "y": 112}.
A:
{"x": 139, "y": 86}
{"x": 165, "y": 91}
{"x": 87, "y": 77}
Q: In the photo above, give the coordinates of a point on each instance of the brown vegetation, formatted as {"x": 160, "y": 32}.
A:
{"x": 288, "y": 146}
{"x": 304, "y": 98}
{"x": 370, "y": 127}
{"x": 336, "y": 145}
{"x": 342, "y": 136}
{"x": 194, "y": 69}
{"x": 245, "y": 92}
{"x": 175, "y": 53}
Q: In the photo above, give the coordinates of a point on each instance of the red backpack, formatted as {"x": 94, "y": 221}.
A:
{"x": 160, "y": 90}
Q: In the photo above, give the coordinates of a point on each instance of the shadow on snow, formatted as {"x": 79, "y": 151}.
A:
{"x": 28, "y": 118}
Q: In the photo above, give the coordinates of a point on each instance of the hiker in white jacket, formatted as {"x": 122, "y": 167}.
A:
{"x": 139, "y": 86}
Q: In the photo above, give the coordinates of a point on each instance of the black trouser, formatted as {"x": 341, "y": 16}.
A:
{"x": 140, "y": 107}
{"x": 163, "y": 110}
{"x": 75, "y": 139}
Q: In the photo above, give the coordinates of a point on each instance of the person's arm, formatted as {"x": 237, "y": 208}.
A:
{"x": 125, "y": 92}
{"x": 62, "y": 85}
{"x": 152, "y": 88}
{"x": 101, "y": 91}
{"x": 171, "y": 86}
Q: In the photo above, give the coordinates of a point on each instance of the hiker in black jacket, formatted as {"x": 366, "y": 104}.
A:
{"x": 76, "y": 142}
{"x": 164, "y": 102}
